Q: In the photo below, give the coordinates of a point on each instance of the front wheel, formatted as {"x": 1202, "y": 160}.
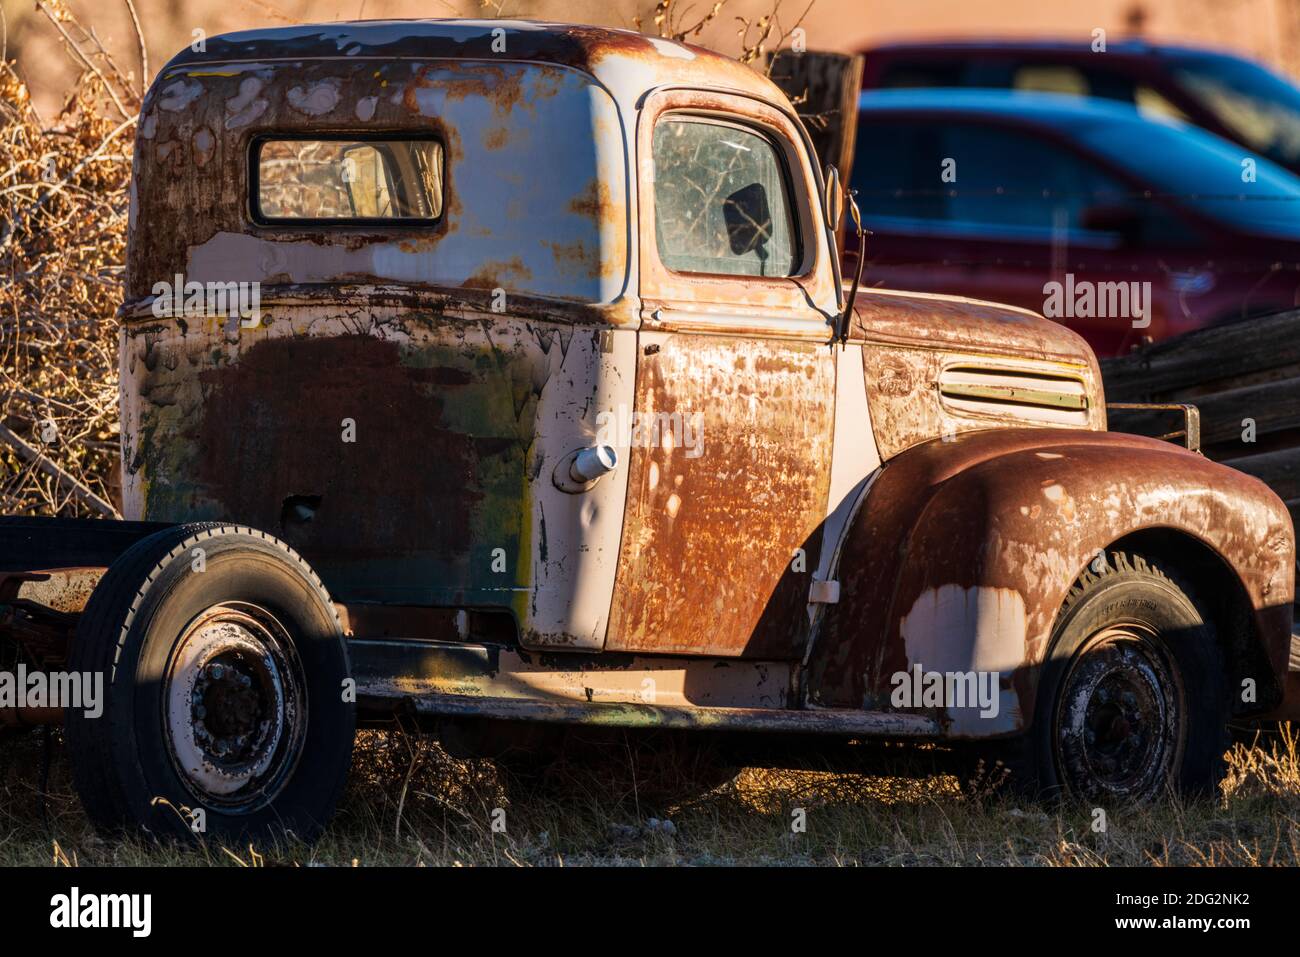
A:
{"x": 228, "y": 709}
{"x": 1132, "y": 701}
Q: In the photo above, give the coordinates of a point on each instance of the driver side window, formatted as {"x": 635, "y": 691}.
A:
{"x": 721, "y": 200}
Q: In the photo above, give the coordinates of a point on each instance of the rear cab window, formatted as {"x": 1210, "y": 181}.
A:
{"x": 347, "y": 180}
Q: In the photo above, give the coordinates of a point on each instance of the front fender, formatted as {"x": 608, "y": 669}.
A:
{"x": 964, "y": 550}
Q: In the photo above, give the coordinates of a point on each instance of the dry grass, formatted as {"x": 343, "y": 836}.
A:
{"x": 63, "y": 218}
{"x": 408, "y": 803}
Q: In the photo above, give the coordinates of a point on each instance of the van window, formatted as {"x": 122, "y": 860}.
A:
{"x": 1051, "y": 79}
{"x": 1002, "y": 179}
{"x": 924, "y": 73}
{"x": 348, "y": 179}
{"x": 1010, "y": 183}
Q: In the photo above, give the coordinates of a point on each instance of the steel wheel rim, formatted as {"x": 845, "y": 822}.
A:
{"x": 1120, "y": 723}
{"x": 234, "y": 707}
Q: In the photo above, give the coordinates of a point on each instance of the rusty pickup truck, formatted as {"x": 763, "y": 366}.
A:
{"x": 503, "y": 374}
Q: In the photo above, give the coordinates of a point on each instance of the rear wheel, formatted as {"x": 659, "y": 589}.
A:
{"x": 227, "y": 708}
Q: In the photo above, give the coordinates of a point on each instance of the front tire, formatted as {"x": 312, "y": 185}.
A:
{"x": 1132, "y": 700}
{"x": 226, "y": 676}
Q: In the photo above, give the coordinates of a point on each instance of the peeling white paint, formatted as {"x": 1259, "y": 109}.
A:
{"x": 588, "y": 249}
{"x": 247, "y": 116}
{"x": 249, "y": 87}
{"x": 315, "y": 100}
{"x": 203, "y": 144}
{"x": 245, "y": 106}
{"x": 956, "y": 629}
{"x": 179, "y": 95}
{"x": 670, "y": 49}
{"x": 952, "y": 628}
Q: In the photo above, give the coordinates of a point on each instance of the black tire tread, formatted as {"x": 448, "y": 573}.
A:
{"x": 1012, "y": 762}
{"x": 101, "y": 635}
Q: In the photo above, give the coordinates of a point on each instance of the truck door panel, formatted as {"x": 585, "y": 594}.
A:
{"x": 730, "y": 474}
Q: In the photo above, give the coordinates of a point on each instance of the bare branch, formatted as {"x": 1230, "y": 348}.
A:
{"x": 68, "y": 482}
{"x": 144, "y": 50}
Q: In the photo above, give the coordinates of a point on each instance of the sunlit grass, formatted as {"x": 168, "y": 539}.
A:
{"x": 409, "y": 803}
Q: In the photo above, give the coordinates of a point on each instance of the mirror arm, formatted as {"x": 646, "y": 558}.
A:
{"x": 842, "y": 332}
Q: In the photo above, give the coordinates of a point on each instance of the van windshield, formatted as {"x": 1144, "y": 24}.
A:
{"x": 1211, "y": 175}
{"x": 1258, "y": 106}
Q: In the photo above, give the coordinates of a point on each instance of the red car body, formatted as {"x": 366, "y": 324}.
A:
{"x": 1042, "y": 200}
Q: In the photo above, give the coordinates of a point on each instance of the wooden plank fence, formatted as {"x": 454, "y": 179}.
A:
{"x": 1245, "y": 379}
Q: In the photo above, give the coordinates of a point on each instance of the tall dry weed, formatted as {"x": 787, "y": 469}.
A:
{"x": 63, "y": 220}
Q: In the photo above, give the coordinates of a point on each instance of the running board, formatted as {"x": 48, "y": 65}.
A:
{"x": 473, "y": 680}
{"x": 628, "y": 715}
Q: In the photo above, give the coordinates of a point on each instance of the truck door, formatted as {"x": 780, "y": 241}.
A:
{"x": 731, "y": 433}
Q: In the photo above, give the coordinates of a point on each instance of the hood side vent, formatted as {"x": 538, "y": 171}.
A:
{"x": 1015, "y": 393}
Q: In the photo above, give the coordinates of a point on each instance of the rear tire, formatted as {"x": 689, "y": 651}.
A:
{"x": 225, "y": 690}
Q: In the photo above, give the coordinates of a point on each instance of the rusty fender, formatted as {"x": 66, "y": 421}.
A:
{"x": 964, "y": 551}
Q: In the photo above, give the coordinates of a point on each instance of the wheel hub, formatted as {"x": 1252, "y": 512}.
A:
{"x": 1119, "y": 728}
{"x": 235, "y": 707}
{"x": 230, "y": 713}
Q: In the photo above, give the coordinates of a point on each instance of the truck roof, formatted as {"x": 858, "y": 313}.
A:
{"x": 625, "y": 61}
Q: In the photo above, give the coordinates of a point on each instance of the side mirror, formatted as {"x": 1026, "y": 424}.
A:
{"x": 834, "y": 198}
{"x": 1113, "y": 218}
{"x": 749, "y": 220}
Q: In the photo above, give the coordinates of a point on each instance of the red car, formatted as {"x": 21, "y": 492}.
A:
{"x": 1228, "y": 95}
{"x": 1124, "y": 228}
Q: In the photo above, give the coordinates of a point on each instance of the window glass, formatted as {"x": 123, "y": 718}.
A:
{"x": 1051, "y": 79}
{"x": 1151, "y": 102}
{"x": 349, "y": 179}
{"x": 1207, "y": 176}
{"x": 1004, "y": 181}
{"x": 1263, "y": 109}
{"x": 721, "y": 202}
{"x": 1013, "y": 179}
{"x": 896, "y": 170}
{"x": 923, "y": 73}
